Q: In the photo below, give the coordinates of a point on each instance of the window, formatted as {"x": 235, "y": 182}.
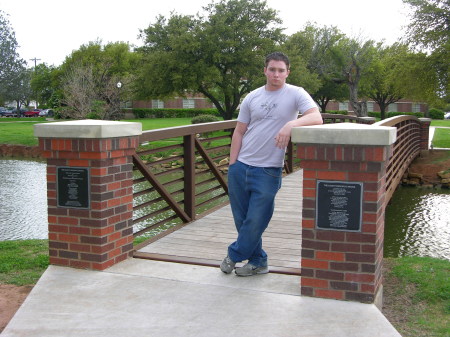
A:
{"x": 392, "y": 107}
{"x": 369, "y": 106}
{"x": 157, "y": 104}
{"x": 415, "y": 107}
{"x": 343, "y": 106}
{"x": 188, "y": 103}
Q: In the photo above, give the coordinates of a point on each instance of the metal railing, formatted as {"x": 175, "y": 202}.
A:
{"x": 180, "y": 172}
{"x": 406, "y": 148}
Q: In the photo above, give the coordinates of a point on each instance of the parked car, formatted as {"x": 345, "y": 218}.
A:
{"x": 32, "y": 113}
{"x": 46, "y": 112}
{"x": 447, "y": 115}
{"x": 2, "y": 110}
{"x": 13, "y": 113}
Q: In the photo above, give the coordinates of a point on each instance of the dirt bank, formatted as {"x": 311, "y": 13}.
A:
{"x": 19, "y": 151}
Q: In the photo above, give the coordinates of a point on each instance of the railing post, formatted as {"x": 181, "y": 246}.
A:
{"x": 343, "y": 209}
{"x": 90, "y": 191}
{"x": 424, "y": 133}
{"x": 189, "y": 175}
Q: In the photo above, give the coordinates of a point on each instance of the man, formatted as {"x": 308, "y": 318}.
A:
{"x": 258, "y": 146}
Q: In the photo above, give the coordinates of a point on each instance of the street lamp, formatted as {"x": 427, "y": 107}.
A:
{"x": 119, "y": 85}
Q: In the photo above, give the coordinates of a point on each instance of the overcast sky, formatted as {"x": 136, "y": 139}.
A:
{"x": 50, "y": 30}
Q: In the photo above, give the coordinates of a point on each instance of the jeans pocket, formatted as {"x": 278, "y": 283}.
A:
{"x": 273, "y": 171}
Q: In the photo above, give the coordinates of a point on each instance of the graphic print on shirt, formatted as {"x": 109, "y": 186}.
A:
{"x": 267, "y": 109}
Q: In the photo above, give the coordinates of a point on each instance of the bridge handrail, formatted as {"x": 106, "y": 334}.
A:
{"x": 405, "y": 149}
{"x": 201, "y": 151}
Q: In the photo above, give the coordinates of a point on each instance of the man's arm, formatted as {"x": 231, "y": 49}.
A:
{"x": 310, "y": 117}
{"x": 236, "y": 141}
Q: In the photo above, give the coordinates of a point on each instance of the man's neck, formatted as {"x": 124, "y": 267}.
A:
{"x": 274, "y": 88}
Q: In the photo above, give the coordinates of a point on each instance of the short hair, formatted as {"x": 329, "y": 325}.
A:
{"x": 277, "y": 56}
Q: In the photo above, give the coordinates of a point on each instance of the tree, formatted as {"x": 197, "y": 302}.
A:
{"x": 355, "y": 58}
{"x": 430, "y": 29}
{"x": 18, "y": 88}
{"x": 90, "y": 76}
{"x": 11, "y": 65}
{"x": 45, "y": 84}
{"x": 316, "y": 46}
{"x": 386, "y": 84}
{"x": 219, "y": 54}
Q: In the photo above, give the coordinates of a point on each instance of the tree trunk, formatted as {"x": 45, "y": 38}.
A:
{"x": 360, "y": 108}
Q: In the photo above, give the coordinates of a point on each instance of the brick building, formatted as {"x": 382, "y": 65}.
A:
{"x": 198, "y": 101}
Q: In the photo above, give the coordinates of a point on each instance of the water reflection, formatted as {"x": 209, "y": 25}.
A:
{"x": 23, "y": 200}
{"x": 418, "y": 223}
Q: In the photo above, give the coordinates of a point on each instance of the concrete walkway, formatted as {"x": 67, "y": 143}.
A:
{"x": 151, "y": 298}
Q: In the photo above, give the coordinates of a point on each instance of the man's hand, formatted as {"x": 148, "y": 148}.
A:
{"x": 284, "y": 136}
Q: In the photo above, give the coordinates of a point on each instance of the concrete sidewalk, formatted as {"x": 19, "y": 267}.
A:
{"x": 151, "y": 298}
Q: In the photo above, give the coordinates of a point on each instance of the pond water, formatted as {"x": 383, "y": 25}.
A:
{"x": 417, "y": 220}
{"x": 23, "y": 200}
{"x": 418, "y": 223}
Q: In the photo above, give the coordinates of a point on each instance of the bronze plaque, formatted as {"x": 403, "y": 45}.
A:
{"x": 339, "y": 205}
{"x": 73, "y": 187}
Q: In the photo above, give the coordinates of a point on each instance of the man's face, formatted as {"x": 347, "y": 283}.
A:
{"x": 276, "y": 73}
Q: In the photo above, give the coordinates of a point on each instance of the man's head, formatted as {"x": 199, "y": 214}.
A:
{"x": 276, "y": 70}
{"x": 278, "y": 56}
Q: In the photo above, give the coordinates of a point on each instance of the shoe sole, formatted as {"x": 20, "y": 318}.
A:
{"x": 260, "y": 272}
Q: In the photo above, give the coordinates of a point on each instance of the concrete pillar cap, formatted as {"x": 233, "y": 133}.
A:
{"x": 344, "y": 134}
{"x": 87, "y": 128}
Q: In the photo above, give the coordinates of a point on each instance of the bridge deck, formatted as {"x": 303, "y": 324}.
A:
{"x": 205, "y": 241}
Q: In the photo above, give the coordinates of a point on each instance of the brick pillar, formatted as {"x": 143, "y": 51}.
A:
{"x": 424, "y": 133}
{"x": 339, "y": 262}
{"x": 89, "y": 188}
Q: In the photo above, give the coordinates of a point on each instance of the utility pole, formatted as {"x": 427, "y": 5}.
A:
{"x": 35, "y": 60}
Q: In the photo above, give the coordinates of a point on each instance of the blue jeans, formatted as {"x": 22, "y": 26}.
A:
{"x": 252, "y": 193}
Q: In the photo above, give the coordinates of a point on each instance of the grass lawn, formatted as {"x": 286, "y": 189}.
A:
{"x": 19, "y": 132}
{"x": 417, "y": 296}
{"x": 440, "y": 122}
{"x": 441, "y": 138}
{"x": 22, "y": 262}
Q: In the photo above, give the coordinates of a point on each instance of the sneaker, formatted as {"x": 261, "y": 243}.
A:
{"x": 227, "y": 265}
{"x": 249, "y": 270}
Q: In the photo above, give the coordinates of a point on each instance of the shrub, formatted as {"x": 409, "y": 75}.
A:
{"x": 393, "y": 114}
{"x": 204, "y": 119}
{"x": 337, "y": 112}
{"x": 375, "y": 114}
{"x": 436, "y": 114}
{"x": 172, "y": 113}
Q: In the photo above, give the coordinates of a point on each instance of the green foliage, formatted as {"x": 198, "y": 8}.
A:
{"x": 436, "y": 113}
{"x": 429, "y": 28}
{"x": 315, "y": 63}
{"x": 337, "y": 112}
{"x": 377, "y": 114}
{"x": 45, "y": 84}
{"x": 204, "y": 119}
{"x": 172, "y": 113}
{"x": 10, "y": 62}
{"x": 23, "y": 262}
{"x": 219, "y": 53}
{"x": 91, "y": 75}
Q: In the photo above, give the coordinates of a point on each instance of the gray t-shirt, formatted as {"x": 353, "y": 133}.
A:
{"x": 265, "y": 113}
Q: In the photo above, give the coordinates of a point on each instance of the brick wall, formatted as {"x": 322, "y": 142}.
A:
{"x": 343, "y": 264}
{"x": 102, "y": 234}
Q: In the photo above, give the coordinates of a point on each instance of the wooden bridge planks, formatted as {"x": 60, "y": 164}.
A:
{"x": 205, "y": 240}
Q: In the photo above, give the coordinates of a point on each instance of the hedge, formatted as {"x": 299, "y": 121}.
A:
{"x": 172, "y": 113}
{"x": 377, "y": 114}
